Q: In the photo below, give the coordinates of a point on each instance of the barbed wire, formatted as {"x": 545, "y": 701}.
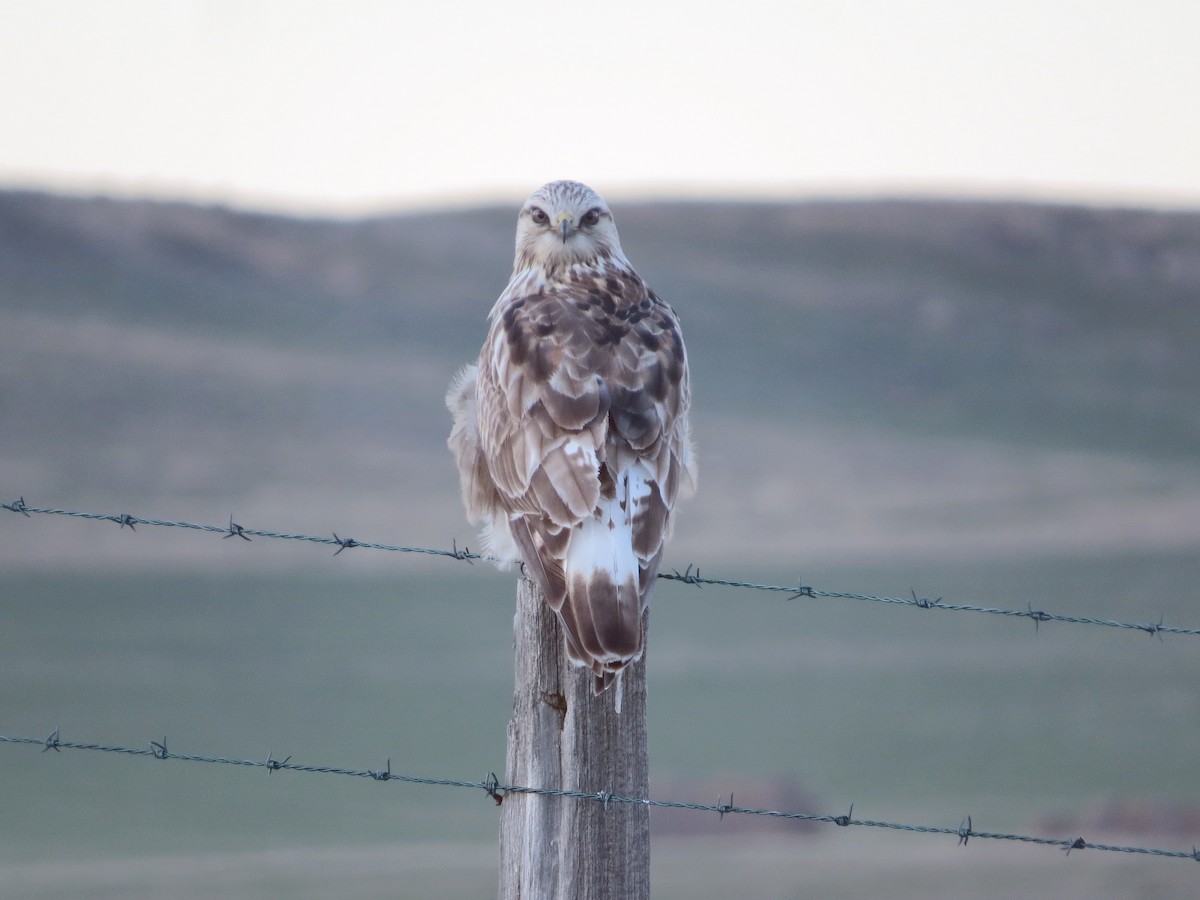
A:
{"x": 498, "y": 790}
{"x": 690, "y": 575}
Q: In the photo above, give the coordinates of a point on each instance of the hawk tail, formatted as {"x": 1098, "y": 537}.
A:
{"x": 602, "y": 612}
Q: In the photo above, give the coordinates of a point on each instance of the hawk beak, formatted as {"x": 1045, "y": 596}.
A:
{"x": 564, "y": 227}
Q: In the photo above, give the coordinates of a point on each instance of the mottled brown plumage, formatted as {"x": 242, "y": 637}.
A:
{"x": 571, "y": 432}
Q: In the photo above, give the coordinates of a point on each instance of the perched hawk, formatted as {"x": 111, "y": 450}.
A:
{"x": 571, "y": 432}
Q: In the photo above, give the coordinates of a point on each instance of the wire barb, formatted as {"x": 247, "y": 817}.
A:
{"x": 723, "y": 808}
{"x": 160, "y": 750}
{"x": 1153, "y": 629}
{"x": 18, "y": 506}
{"x": 492, "y": 786}
{"x": 273, "y": 764}
{"x": 344, "y": 544}
{"x": 1037, "y": 615}
{"x": 53, "y": 743}
{"x": 687, "y": 576}
{"x": 964, "y": 832}
{"x": 464, "y": 554}
{"x": 925, "y": 602}
{"x": 843, "y": 821}
{"x": 236, "y": 530}
{"x": 802, "y": 590}
{"x": 1078, "y": 844}
{"x": 383, "y": 774}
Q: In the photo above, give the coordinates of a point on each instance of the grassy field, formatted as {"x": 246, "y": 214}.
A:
{"x": 992, "y": 403}
{"x": 912, "y": 715}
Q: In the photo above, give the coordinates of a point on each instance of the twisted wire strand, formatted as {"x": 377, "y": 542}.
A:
{"x": 690, "y": 575}
{"x": 497, "y": 790}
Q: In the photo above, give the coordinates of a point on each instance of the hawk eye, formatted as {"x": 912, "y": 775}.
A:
{"x": 591, "y": 217}
{"x": 539, "y": 216}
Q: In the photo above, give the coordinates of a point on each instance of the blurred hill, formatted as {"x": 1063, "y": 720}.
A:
{"x": 870, "y": 378}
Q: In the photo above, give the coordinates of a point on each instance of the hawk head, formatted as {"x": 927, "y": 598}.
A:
{"x": 563, "y": 223}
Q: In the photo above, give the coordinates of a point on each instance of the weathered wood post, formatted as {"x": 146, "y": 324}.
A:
{"x": 563, "y": 736}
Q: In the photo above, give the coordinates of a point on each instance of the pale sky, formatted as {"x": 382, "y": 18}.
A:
{"x": 365, "y": 105}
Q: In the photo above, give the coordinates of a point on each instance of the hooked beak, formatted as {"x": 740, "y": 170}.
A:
{"x": 564, "y": 226}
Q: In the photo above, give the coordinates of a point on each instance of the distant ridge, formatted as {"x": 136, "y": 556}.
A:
{"x": 139, "y": 339}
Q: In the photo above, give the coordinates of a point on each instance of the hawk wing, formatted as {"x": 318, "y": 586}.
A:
{"x": 580, "y": 447}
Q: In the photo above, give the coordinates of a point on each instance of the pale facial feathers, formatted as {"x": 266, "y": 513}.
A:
{"x": 571, "y": 432}
{"x": 563, "y": 223}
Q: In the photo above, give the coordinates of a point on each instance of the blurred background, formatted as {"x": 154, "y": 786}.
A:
{"x": 938, "y": 267}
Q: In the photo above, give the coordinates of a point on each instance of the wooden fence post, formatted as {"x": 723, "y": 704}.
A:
{"x": 563, "y": 736}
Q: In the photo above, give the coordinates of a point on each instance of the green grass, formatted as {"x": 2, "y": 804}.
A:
{"x": 913, "y": 715}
